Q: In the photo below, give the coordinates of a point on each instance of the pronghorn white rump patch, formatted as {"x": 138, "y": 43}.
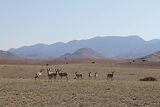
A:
{"x": 50, "y": 72}
{"x": 39, "y": 73}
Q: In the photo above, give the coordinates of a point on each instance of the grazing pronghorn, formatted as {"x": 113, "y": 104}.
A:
{"x": 62, "y": 74}
{"x": 51, "y": 74}
{"x": 89, "y": 75}
{"x": 96, "y": 75}
{"x": 38, "y": 74}
{"x": 78, "y": 75}
{"x": 110, "y": 75}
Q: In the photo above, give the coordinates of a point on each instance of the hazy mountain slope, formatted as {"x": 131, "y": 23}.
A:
{"x": 83, "y": 53}
{"x": 109, "y": 46}
{"x": 5, "y": 54}
{"x": 39, "y": 50}
{"x": 155, "y": 57}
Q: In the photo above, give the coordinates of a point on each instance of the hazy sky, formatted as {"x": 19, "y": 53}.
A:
{"x": 26, "y": 22}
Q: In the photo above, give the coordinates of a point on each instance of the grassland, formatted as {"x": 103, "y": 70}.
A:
{"x": 18, "y": 88}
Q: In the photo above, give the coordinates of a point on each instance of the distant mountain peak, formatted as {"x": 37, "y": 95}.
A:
{"x": 83, "y": 53}
{"x": 136, "y": 37}
{"x": 84, "y": 50}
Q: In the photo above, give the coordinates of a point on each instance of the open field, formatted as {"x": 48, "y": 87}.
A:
{"x": 18, "y": 88}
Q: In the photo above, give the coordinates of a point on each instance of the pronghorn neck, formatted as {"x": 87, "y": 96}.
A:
{"x": 56, "y": 72}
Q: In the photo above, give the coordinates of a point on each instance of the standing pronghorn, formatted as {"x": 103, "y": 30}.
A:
{"x": 96, "y": 75}
{"x": 110, "y": 75}
{"x": 38, "y": 74}
{"x": 89, "y": 75}
{"x": 51, "y": 74}
{"x": 62, "y": 74}
{"x": 78, "y": 75}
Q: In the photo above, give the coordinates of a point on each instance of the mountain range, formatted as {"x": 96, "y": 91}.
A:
{"x": 108, "y": 46}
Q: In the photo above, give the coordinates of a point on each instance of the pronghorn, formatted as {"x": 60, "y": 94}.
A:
{"x": 110, "y": 75}
{"x": 89, "y": 75}
{"x": 96, "y": 75}
{"x": 51, "y": 74}
{"x": 62, "y": 74}
{"x": 78, "y": 75}
{"x": 38, "y": 74}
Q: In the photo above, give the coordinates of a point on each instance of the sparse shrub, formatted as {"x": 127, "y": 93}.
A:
{"x": 93, "y": 62}
{"x": 148, "y": 79}
{"x": 132, "y": 74}
{"x": 143, "y": 60}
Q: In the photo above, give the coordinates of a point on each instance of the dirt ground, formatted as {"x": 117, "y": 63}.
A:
{"x": 19, "y": 89}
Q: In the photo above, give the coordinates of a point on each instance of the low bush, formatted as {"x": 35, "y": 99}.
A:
{"x": 148, "y": 79}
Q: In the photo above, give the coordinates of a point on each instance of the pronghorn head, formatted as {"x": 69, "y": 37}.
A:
{"x": 48, "y": 69}
{"x": 42, "y": 70}
{"x": 113, "y": 72}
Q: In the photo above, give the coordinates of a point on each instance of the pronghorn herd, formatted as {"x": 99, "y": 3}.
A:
{"x": 57, "y": 72}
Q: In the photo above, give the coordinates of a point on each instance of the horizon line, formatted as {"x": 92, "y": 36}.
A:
{"x": 65, "y": 42}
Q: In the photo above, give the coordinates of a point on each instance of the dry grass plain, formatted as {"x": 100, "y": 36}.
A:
{"x": 18, "y": 88}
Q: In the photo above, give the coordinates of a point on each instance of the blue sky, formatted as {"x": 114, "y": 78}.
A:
{"x": 27, "y": 22}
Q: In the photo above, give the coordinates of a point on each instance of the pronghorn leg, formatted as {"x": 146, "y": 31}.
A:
{"x": 51, "y": 80}
{"x": 112, "y": 78}
{"x": 35, "y": 77}
{"x": 61, "y": 79}
{"x": 67, "y": 78}
{"x": 48, "y": 80}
